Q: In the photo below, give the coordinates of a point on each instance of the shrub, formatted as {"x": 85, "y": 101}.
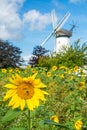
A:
{"x": 75, "y": 55}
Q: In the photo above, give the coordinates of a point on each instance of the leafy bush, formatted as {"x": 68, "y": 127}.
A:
{"x": 75, "y": 55}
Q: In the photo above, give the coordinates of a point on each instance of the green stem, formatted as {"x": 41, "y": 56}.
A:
{"x": 50, "y": 127}
{"x": 29, "y": 120}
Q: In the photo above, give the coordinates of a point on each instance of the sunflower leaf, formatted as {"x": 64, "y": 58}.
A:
{"x": 41, "y": 123}
{"x": 10, "y": 115}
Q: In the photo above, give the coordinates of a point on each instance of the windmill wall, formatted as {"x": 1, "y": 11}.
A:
{"x": 61, "y": 42}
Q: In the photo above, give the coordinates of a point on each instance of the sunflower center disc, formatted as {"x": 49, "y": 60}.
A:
{"x": 25, "y": 91}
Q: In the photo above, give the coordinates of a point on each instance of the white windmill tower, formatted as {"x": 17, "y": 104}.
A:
{"x": 61, "y": 35}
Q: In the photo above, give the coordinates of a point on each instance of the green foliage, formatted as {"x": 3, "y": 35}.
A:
{"x": 9, "y": 55}
{"x": 67, "y": 100}
{"x": 10, "y": 115}
{"x": 17, "y": 128}
{"x": 75, "y": 55}
{"x": 38, "y": 52}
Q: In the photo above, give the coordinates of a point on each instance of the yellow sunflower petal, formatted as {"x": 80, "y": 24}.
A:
{"x": 13, "y": 81}
{"x": 13, "y": 100}
{"x": 22, "y": 104}
{"x": 10, "y": 86}
{"x": 15, "y": 105}
{"x": 19, "y": 78}
{"x": 9, "y": 94}
{"x": 31, "y": 78}
{"x": 38, "y": 84}
{"x": 44, "y": 92}
{"x": 16, "y": 79}
{"x": 29, "y": 104}
{"x": 37, "y": 81}
{"x": 39, "y": 94}
{"x": 34, "y": 76}
{"x": 35, "y": 102}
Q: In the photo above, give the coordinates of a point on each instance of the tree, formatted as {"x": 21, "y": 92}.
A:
{"x": 37, "y": 53}
{"x": 9, "y": 55}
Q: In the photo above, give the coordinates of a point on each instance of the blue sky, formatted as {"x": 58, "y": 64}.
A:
{"x": 26, "y": 23}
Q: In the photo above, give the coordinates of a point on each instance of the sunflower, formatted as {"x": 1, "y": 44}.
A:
{"x": 10, "y": 70}
{"x": 82, "y": 85}
{"x": 25, "y": 92}
{"x": 62, "y": 76}
{"x": 78, "y": 125}
{"x": 76, "y": 69}
{"x": 34, "y": 71}
{"x": 4, "y": 70}
{"x": 17, "y": 70}
{"x": 48, "y": 74}
{"x": 54, "y": 118}
{"x": 63, "y": 67}
{"x": 54, "y": 68}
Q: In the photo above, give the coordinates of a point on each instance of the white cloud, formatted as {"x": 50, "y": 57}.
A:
{"x": 10, "y": 20}
{"x": 12, "y": 25}
{"x": 36, "y": 20}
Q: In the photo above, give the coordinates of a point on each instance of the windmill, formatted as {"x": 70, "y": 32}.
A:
{"x": 61, "y": 35}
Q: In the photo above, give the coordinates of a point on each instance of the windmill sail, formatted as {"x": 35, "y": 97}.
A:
{"x": 62, "y": 21}
{"x": 59, "y": 25}
{"x": 47, "y": 38}
{"x": 54, "y": 19}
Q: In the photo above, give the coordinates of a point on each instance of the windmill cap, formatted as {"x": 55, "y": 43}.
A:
{"x": 63, "y": 32}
